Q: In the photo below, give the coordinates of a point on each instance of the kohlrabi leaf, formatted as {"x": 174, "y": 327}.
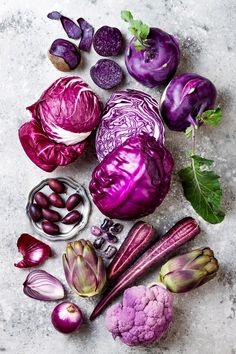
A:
{"x": 202, "y": 189}
{"x": 139, "y": 29}
{"x": 211, "y": 117}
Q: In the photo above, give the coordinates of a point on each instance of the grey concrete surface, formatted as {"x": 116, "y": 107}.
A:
{"x": 204, "y": 320}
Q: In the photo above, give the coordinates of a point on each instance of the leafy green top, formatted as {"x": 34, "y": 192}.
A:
{"x": 202, "y": 188}
{"x": 138, "y": 29}
{"x": 212, "y": 117}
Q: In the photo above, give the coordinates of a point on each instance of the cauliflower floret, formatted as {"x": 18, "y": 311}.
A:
{"x": 142, "y": 317}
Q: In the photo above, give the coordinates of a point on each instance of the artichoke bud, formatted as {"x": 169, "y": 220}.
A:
{"x": 189, "y": 271}
{"x": 85, "y": 272}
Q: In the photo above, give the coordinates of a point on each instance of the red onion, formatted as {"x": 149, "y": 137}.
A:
{"x": 34, "y": 251}
{"x": 41, "y": 285}
{"x": 66, "y": 317}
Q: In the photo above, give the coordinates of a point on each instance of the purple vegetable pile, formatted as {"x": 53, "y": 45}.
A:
{"x": 131, "y": 179}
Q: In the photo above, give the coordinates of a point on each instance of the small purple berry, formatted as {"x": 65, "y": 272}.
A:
{"x": 96, "y": 231}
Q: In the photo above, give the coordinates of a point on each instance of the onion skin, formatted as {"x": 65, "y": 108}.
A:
{"x": 71, "y": 317}
{"x": 34, "y": 252}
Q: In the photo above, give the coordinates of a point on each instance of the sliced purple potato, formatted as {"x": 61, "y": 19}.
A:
{"x": 106, "y": 73}
{"x": 108, "y": 41}
{"x": 71, "y": 28}
{"x": 87, "y": 35}
{"x": 64, "y": 55}
{"x": 54, "y": 15}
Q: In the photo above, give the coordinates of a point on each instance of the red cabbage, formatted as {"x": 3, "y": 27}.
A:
{"x": 133, "y": 179}
{"x": 127, "y": 113}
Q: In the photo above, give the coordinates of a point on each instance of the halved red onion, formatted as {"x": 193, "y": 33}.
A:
{"x": 34, "y": 252}
{"x": 54, "y": 15}
{"x": 72, "y": 29}
{"x": 41, "y": 285}
{"x": 87, "y": 35}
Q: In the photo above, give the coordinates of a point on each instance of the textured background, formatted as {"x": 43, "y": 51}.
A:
{"x": 204, "y": 320}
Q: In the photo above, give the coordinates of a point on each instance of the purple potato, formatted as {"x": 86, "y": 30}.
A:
{"x": 108, "y": 41}
{"x": 64, "y": 55}
{"x": 56, "y": 200}
{"x": 72, "y": 217}
{"x": 50, "y": 228}
{"x": 35, "y": 212}
{"x": 87, "y": 35}
{"x": 56, "y": 186}
{"x": 41, "y": 200}
{"x": 51, "y": 215}
{"x": 106, "y": 74}
{"x": 72, "y": 29}
{"x": 54, "y": 15}
{"x": 73, "y": 201}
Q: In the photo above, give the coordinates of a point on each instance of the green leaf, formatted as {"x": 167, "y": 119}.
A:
{"x": 211, "y": 117}
{"x": 126, "y": 16}
{"x": 202, "y": 189}
{"x": 138, "y": 46}
{"x": 139, "y": 29}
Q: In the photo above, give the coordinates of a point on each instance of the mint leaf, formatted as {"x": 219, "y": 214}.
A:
{"x": 139, "y": 29}
{"x": 211, "y": 117}
{"x": 202, "y": 189}
{"x": 126, "y": 16}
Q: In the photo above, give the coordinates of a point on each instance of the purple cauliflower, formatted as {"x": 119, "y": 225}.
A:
{"x": 143, "y": 316}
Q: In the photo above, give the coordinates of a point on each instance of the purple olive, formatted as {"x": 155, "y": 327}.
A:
{"x": 51, "y": 215}
{"x": 56, "y": 200}
{"x": 109, "y": 252}
{"x": 98, "y": 243}
{"x": 56, "y": 185}
{"x": 35, "y": 212}
{"x": 96, "y": 231}
{"x": 73, "y": 201}
{"x": 41, "y": 200}
{"x": 50, "y": 228}
{"x": 71, "y": 218}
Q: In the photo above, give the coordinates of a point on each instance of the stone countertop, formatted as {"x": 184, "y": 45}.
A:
{"x": 204, "y": 320}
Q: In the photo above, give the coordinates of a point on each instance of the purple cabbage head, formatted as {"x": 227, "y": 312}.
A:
{"x": 127, "y": 113}
{"x": 156, "y": 64}
{"x": 186, "y": 97}
{"x": 133, "y": 179}
{"x": 62, "y": 119}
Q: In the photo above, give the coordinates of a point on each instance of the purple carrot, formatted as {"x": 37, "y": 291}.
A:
{"x": 185, "y": 230}
{"x": 139, "y": 238}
